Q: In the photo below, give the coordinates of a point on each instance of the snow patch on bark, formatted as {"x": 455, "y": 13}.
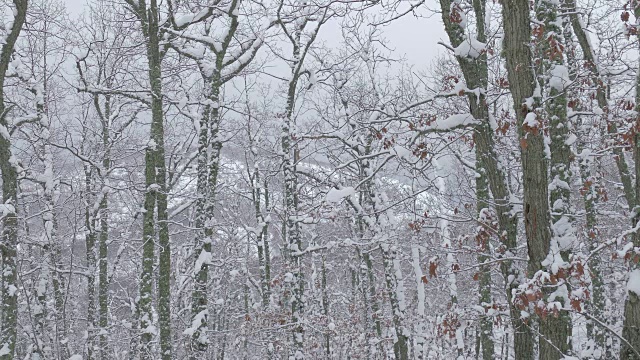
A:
{"x": 559, "y": 78}
{"x": 634, "y": 282}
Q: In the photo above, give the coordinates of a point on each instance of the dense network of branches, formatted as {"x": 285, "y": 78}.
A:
{"x": 272, "y": 179}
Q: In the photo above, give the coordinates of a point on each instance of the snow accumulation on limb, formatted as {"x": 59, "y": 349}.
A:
{"x": 450, "y": 123}
{"x": 470, "y": 48}
{"x": 238, "y": 61}
{"x": 336, "y": 195}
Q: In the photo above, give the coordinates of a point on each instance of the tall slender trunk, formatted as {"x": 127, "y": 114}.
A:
{"x": 480, "y": 111}
{"x": 209, "y": 148}
{"x": 526, "y": 99}
{"x": 293, "y": 236}
{"x": 103, "y": 237}
{"x": 420, "y": 326}
{"x": 293, "y": 241}
{"x": 290, "y": 156}
{"x": 451, "y": 261}
{"x": 372, "y": 315}
{"x": 590, "y": 197}
{"x": 155, "y": 200}
{"x": 366, "y": 274}
{"x": 47, "y": 338}
{"x": 164, "y": 258}
{"x": 144, "y": 305}
{"x": 204, "y": 226}
{"x": 266, "y": 246}
{"x": 485, "y": 337}
{"x": 631, "y": 324}
{"x": 395, "y": 287}
{"x": 391, "y": 263}
{"x": 213, "y": 171}
{"x": 47, "y": 313}
{"x": 325, "y": 306}
{"x": 9, "y": 169}
{"x": 90, "y": 244}
{"x": 555, "y": 328}
{"x": 103, "y": 287}
{"x": 598, "y": 296}
{"x": 262, "y": 236}
{"x": 475, "y": 72}
{"x": 601, "y": 97}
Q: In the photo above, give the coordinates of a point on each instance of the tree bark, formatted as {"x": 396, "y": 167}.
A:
{"x": 556, "y": 329}
{"x": 90, "y": 244}
{"x": 525, "y": 94}
{"x": 9, "y": 169}
{"x": 631, "y": 324}
{"x": 155, "y": 199}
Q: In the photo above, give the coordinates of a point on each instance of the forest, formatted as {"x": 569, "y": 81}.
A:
{"x": 274, "y": 179}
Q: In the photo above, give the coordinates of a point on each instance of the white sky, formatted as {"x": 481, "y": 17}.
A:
{"x": 412, "y": 38}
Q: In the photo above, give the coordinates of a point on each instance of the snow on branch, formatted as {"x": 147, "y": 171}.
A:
{"x": 451, "y": 123}
{"x": 470, "y": 48}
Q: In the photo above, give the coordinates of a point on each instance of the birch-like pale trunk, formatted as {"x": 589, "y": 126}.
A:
{"x": 451, "y": 261}
{"x": 395, "y": 287}
{"x": 50, "y": 319}
{"x": 43, "y": 342}
{"x": 420, "y": 348}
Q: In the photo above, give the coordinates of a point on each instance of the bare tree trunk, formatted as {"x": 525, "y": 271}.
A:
{"x": 395, "y": 287}
{"x": 555, "y": 328}
{"x": 631, "y": 326}
{"x": 155, "y": 198}
{"x": 90, "y": 244}
{"x": 103, "y": 213}
{"x": 420, "y": 326}
{"x": 293, "y": 241}
{"x": 492, "y": 176}
{"x": 526, "y": 98}
{"x": 9, "y": 169}
{"x": 598, "y": 296}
